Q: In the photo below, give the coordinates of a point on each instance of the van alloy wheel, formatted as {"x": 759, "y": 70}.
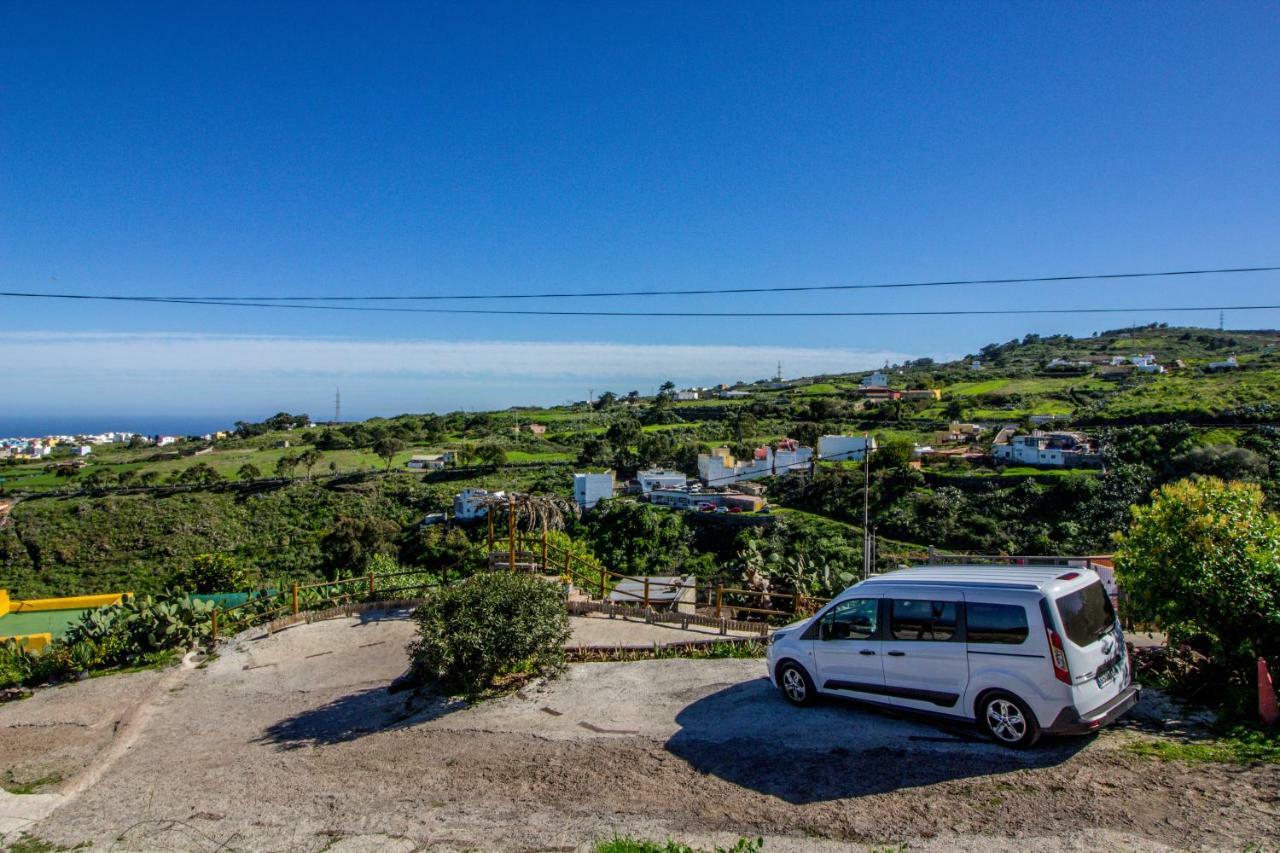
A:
{"x": 1006, "y": 721}
{"x": 793, "y": 683}
{"x": 796, "y": 685}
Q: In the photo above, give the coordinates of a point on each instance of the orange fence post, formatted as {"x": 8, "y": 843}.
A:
{"x": 568, "y": 566}
{"x": 511, "y": 534}
{"x": 489, "y": 514}
{"x": 371, "y": 584}
{"x": 295, "y": 598}
{"x": 544, "y": 550}
{"x": 214, "y": 628}
{"x": 719, "y": 599}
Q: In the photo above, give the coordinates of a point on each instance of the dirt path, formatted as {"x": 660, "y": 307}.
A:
{"x": 292, "y": 742}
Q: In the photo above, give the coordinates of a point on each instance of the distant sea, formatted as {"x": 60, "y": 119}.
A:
{"x": 91, "y": 424}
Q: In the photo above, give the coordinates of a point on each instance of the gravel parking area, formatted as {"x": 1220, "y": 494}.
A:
{"x": 292, "y": 742}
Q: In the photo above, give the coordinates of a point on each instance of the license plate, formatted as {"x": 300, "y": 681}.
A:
{"x": 1108, "y": 670}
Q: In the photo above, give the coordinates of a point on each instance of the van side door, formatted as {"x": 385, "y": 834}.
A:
{"x": 847, "y": 649}
{"x": 925, "y": 664}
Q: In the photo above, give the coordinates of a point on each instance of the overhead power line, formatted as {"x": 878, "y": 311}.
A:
{"x": 598, "y": 294}
{"x": 541, "y": 312}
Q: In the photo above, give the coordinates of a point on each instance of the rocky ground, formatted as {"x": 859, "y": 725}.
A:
{"x": 292, "y": 742}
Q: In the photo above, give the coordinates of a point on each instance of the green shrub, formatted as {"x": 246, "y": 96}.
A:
{"x": 208, "y": 573}
{"x": 489, "y": 626}
{"x": 16, "y": 664}
{"x": 127, "y": 633}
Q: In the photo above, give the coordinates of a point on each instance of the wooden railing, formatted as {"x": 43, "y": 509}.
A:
{"x": 602, "y": 583}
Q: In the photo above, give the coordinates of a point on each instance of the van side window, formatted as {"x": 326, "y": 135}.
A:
{"x": 995, "y": 623}
{"x": 854, "y": 619}
{"x": 922, "y": 620}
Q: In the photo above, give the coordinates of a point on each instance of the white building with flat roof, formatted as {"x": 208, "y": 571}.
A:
{"x": 590, "y": 489}
{"x": 838, "y": 448}
{"x": 659, "y": 478}
{"x": 473, "y": 503}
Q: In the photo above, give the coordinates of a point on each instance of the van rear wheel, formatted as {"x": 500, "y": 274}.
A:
{"x": 1008, "y": 720}
{"x": 796, "y": 685}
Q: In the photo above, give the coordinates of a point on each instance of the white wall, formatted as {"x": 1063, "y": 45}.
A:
{"x": 590, "y": 489}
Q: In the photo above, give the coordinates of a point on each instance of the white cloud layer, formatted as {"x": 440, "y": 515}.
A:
{"x": 131, "y": 380}
{"x": 171, "y": 355}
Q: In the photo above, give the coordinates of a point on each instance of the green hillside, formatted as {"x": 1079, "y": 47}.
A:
{"x": 339, "y": 493}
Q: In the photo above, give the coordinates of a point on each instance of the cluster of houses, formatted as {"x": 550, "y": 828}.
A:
{"x": 43, "y": 447}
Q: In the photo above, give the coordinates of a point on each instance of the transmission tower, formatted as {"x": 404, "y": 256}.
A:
{"x": 337, "y": 405}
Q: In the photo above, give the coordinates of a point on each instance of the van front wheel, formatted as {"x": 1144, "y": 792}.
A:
{"x": 797, "y": 688}
{"x": 1008, "y": 720}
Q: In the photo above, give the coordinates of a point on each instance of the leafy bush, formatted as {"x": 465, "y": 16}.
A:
{"x": 488, "y": 626}
{"x": 208, "y": 573}
{"x": 16, "y": 664}
{"x": 1203, "y": 561}
{"x": 124, "y": 635}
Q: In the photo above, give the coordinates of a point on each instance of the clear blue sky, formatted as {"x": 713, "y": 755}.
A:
{"x": 233, "y": 149}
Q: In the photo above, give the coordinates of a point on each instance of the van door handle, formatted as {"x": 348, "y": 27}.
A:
{"x": 865, "y": 652}
{"x": 897, "y": 654}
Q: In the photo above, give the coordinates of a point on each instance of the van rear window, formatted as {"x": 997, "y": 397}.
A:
{"x": 995, "y": 623}
{"x": 1086, "y": 614}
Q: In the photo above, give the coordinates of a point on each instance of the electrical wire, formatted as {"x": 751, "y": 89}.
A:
{"x": 959, "y": 312}
{"x": 596, "y": 294}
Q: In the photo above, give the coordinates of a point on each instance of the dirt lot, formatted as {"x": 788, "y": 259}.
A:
{"x": 292, "y": 742}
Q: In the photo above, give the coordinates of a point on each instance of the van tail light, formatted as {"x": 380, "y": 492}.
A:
{"x": 1059, "y": 657}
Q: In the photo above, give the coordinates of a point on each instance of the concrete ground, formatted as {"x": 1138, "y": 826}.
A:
{"x": 598, "y": 630}
{"x": 292, "y": 742}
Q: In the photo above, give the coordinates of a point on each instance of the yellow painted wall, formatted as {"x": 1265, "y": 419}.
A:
{"x": 31, "y": 642}
{"x": 4, "y": 601}
{"x": 74, "y": 602}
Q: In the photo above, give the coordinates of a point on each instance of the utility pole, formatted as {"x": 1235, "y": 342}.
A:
{"x": 779, "y": 375}
{"x": 337, "y": 405}
{"x": 1222, "y": 320}
{"x": 866, "y": 505}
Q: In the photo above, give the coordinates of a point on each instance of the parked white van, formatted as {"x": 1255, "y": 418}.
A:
{"x": 1020, "y": 650}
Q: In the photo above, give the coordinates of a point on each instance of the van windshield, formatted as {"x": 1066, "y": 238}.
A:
{"x": 1086, "y": 614}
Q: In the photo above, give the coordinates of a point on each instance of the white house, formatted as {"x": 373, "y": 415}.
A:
{"x": 590, "y": 489}
{"x": 1050, "y": 449}
{"x": 833, "y": 448}
{"x": 1229, "y": 364}
{"x": 719, "y": 467}
{"x": 1146, "y": 363}
{"x": 429, "y": 462}
{"x": 471, "y": 503}
{"x": 687, "y": 395}
{"x": 658, "y": 478}
{"x": 82, "y": 450}
{"x": 734, "y": 395}
{"x": 165, "y": 440}
{"x": 875, "y": 380}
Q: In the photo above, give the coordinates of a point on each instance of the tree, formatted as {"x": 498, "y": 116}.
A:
{"x": 1203, "y": 561}
{"x": 207, "y": 573}
{"x": 248, "y": 471}
{"x": 607, "y": 399}
{"x": 667, "y": 390}
{"x": 624, "y": 432}
{"x": 149, "y": 478}
{"x": 386, "y": 448}
{"x": 309, "y": 458}
{"x": 285, "y": 465}
{"x": 743, "y": 426}
{"x": 491, "y": 454}
{"x": 354, "y": 541}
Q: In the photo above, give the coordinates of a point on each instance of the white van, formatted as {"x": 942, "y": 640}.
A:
{"x": 1022, "y": 651}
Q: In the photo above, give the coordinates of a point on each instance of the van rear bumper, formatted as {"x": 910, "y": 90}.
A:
{"x": 1069, "y": 722}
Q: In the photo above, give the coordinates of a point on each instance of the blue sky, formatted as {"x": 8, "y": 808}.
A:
{"x": 324, "y": 149}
